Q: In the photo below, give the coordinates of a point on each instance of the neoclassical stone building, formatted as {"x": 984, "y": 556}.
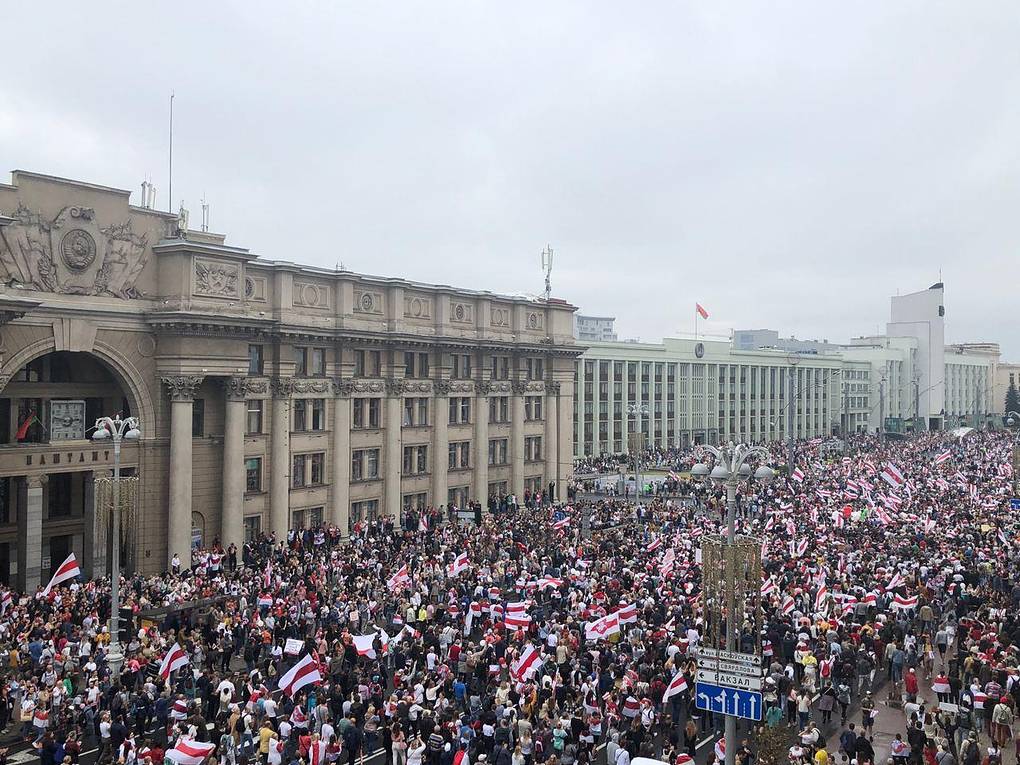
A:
{"x": 270, "y": 395}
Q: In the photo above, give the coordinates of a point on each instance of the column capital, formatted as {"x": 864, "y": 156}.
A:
{"x": 554, "y": 388}
{"x": 442, "y": 387}
{"x": 282, "y": 387}
{"x": 238, "y": 387}
{"x": 342, "y": 388}
{"x": 395, "y": 387}
{"x": 519, "y": 387}
{"x": 181, "y": 387}
{"x": 483, "y": 387}
{"x": 36, "y": 481}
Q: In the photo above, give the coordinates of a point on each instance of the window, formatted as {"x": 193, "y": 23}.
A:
{"x": 252, "y": 528}
{"x": 532, "y": 407}
{"x": 318, "y": 413}
{"x": 309, "y": 414}
{"x": 416, "y": 411}
{"x": 367, "y": 363}
{"x": 297, "y": 471}
{"x": 534, "y": 484}
{"x": 534, "y": 368}
{"x": 253, "y": 474}
{"x": 253, "y": 426}
{"x": 416, "y": 364}
{"x": 460, "y": 455}
{"x": 497, "y": 451}
{"x": 318, "y": 362}
{"x": 460, "y": 410}
{"x": 317, "y": 469}
{"x": 532, "y": 448}
{"x": 415, "y": 501}
{"x": 365, "y": 511}
{"x": 497, "y": 489}
{"x": 198, "y": 418}
{"x": 364, "y": 464}
{"x": 499, "y": 409}
{"x": 500, "y": 367}
{"x": 461, "y": 366}
{"x": 300, "y": 361}
{"x": 366, "y": 412}
{"x": 416, "y": 460}
{"x": 255, "y": 360}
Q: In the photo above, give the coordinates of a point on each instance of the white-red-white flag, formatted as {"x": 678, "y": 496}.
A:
{"x": 527, "y": 664}
{"x": 190, "y": 752}
{"x": 68, "y": 570}
{"x": 458, "y": 565}
{"x": 900, "y": 601}
{"x": 400, "y": 579}
{"x": 175, "y": 658}
{"x": 701, "y": 310}
{"x": 892, "y": 475}
{"x": 602, "y": 628}
{"x": 797, "y": 475}
{"x": 677, "y": 685}
{"x": 943, "y": 457}
{"x": 627, "y": 613}
{"x": 301, "y": 674}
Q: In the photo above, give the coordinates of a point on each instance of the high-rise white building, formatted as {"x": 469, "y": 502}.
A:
{"x": 598, "y": 329}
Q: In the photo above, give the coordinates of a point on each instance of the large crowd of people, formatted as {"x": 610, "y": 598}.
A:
{"x": 555, "y": 633}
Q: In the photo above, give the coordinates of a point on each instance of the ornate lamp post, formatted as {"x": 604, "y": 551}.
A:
{"x": 117, "y": 430}
{"x": 730, "y": 468}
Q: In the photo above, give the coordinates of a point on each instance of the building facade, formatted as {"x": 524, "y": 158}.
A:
{"x": 683, "y": 392}
{"x": 270, "y": 395}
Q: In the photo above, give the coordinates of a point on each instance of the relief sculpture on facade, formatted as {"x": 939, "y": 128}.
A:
{"x": 72, "y": 254}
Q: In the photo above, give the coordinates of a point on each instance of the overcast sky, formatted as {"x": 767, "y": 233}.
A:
{"x": 789, "y": 165}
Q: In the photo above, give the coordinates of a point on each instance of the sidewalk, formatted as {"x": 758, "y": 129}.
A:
{"x": 892, "y": 720}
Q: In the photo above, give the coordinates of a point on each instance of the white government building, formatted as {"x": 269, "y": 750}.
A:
{"x": 688, "y": 391}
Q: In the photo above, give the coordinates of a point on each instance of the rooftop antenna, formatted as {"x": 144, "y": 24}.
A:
{"x": 547, "y": 263}
{"x": 205, "y": 214}
{"x": 170, "y": 180}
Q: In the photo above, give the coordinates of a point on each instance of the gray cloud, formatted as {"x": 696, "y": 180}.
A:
{"x": 788, "y": 165}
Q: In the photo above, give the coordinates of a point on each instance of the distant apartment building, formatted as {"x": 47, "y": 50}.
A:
{"x": 595, "y": 329}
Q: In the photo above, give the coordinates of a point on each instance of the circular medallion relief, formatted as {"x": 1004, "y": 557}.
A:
{"x": 78, "y": 249}
{"x": 310, "y": 295}
{"x": 458, "y": 312}
{"x": 249, "y": 287}
{"x": 366, "y": 302}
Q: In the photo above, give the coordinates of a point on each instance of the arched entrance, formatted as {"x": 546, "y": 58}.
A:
{"x": 48, "y": 463}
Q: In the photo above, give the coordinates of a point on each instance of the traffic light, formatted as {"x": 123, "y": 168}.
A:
{"x": 125, "y": 625}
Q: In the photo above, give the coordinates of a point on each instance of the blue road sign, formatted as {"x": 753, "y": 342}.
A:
{"x": 1014, "y": 504}
{"x": 728, "y": 701}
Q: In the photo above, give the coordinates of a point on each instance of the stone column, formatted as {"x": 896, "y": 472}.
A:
{"x": 392, "y": 457}
{"x": 517, "y": 439}
{"x": 440, "y": 442}
{"x": 340, "y": 498}
{"x": 279, "y": 456}
{"x": 235, "y": 410}
{"x": 481, "y": 415}
{"x": 182, "y": 397}
{"x": 30, "y": 513}
{"x": 564, "y": 439}
{"x": 551, "y": 446}
{"x": 95, "y": 537}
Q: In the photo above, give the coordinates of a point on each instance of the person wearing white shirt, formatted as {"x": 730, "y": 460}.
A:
{"x": 270, "y": 707}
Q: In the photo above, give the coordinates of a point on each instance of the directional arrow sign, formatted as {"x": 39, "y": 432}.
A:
{"x": 729, "y": 701}
{"x": 729, "y": 679}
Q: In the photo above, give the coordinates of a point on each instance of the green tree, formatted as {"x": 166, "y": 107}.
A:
{"x": 1012, "y": 400}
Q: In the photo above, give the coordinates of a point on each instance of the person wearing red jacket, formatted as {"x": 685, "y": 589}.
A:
{"x": 910, "y": 685}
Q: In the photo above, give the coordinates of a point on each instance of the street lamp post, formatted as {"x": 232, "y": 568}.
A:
{"x": 637, "y": 410}
{"x": 115, "y": 429}
{"x": 731, "y": 467}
